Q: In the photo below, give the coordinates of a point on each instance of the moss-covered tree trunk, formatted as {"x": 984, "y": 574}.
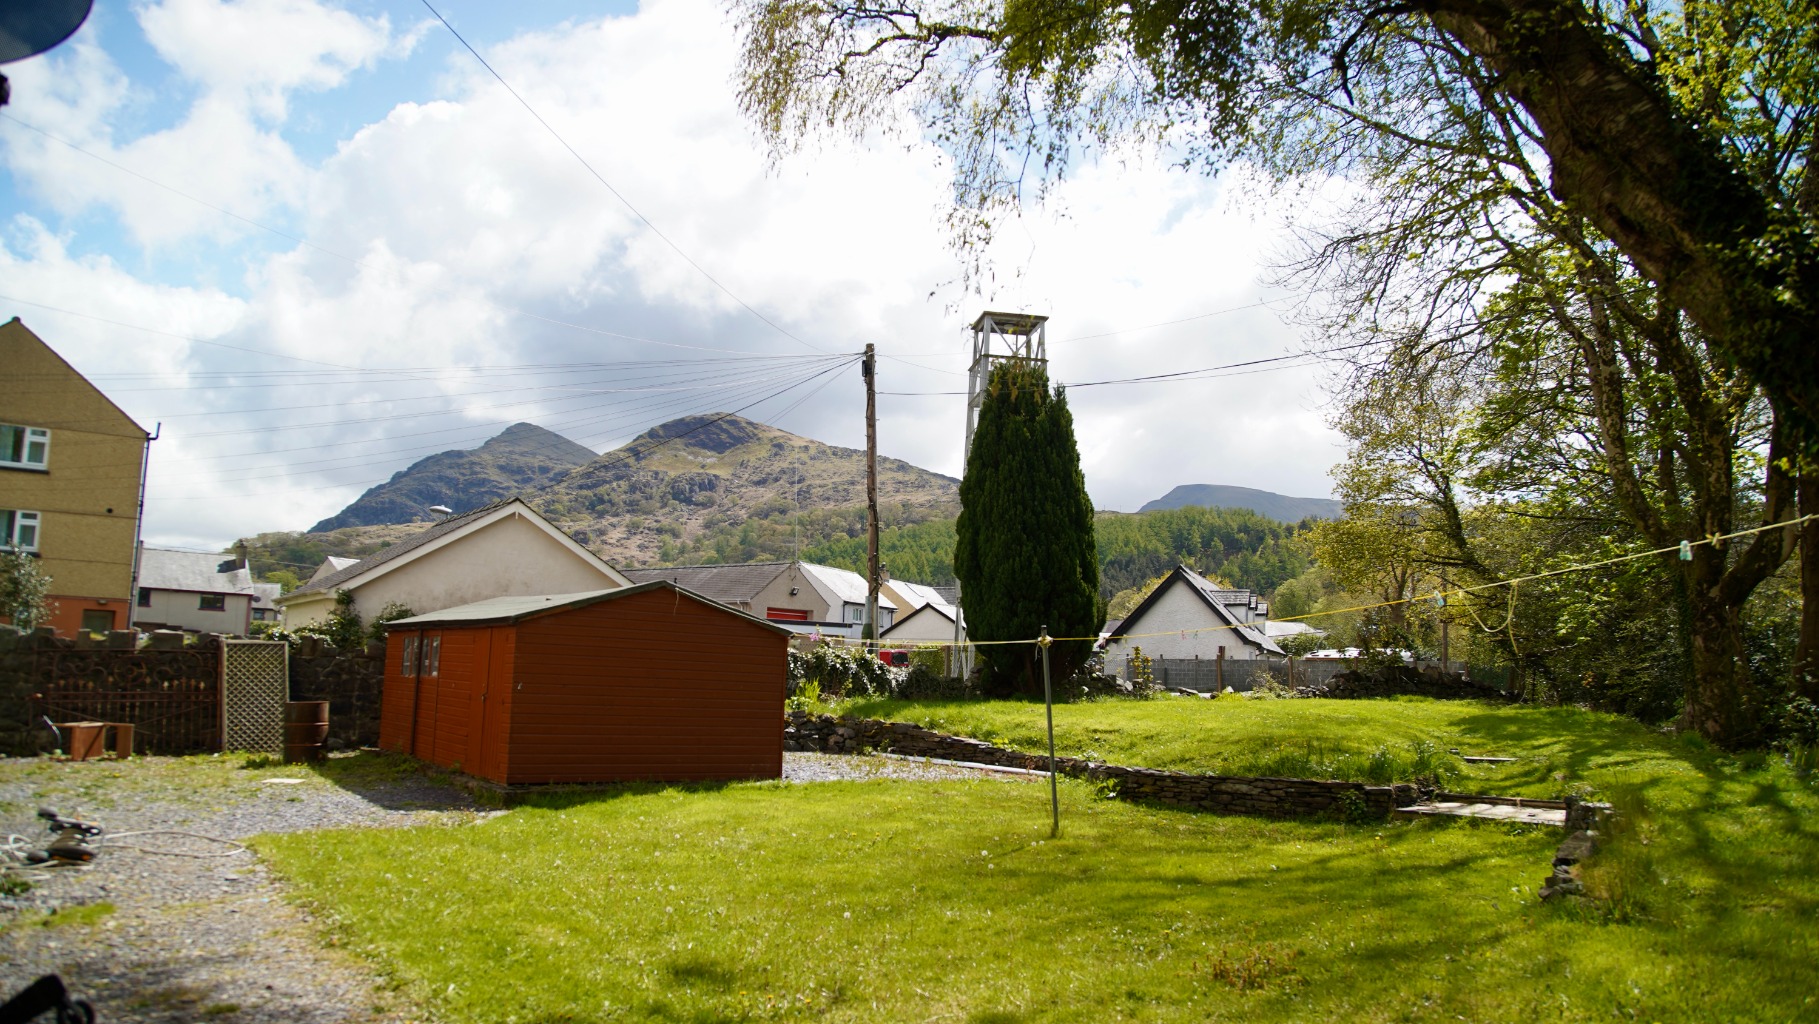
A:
{"x": 1024, "y": 551}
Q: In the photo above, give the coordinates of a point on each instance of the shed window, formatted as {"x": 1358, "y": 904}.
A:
{"x": 407, "y": 665}
{"x": 24, "y": 447}
{"x": 18, "y": 530}
{"x": 432, "y": 654}
{"x": 212, "y": 602}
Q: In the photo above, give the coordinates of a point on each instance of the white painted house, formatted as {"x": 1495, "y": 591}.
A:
{"x": 504, "y": 549}
{"x": 198, "y": 591}
{"x": 1188, "y": 616}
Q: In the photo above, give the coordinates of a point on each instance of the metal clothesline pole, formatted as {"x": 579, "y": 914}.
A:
{"x": 1048, "y": 701}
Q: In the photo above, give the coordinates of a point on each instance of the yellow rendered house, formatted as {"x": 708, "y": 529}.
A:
{"x": 71, "y": 469}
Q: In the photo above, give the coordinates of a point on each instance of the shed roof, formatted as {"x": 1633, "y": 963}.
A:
{"x": 498, "y": 611}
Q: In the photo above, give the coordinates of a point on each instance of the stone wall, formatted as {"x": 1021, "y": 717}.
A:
{"x": 167, "y": 687}
{"x": 352, "y": 683}
{"x": 1229, "y": 794}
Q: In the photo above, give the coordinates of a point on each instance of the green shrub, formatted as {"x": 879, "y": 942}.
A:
{"x": 838, "y": 672}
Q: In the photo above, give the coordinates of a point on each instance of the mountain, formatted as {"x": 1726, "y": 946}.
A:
{"x": 1264, "y": 503}
{"x": 722, "y": 488}
{"x": 523, "y": 458}
{"x": 714, "y": 488}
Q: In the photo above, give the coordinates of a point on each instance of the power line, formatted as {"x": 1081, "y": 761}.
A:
{"x": 629, "y": 456}
{"x": 609, "y": 185}
{"x": 1281, "y": 362}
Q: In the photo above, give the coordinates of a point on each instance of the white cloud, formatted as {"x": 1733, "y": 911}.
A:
{"x": 260, "y": 51}
{"x": 458, "y": 209}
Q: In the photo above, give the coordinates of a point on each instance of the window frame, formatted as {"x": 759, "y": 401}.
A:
{"x": 27, "y": 436}
{"x": 10, "y": 528}
{"x": 220, "y": 602}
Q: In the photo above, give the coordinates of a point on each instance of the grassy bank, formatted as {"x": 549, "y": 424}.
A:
{"x": 1557, "y": 750}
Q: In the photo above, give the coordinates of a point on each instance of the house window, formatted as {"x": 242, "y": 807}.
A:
{"x": 855, "y": 612}
{"x": 145, "y": 597}
{"x": 24, "y": 447}
{"x": 18, "y": 530}
{"x": 212, "y": 602}
{"x": 97, "y": 620}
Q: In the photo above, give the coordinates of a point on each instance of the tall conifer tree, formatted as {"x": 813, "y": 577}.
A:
{"x": 1024, "y": 552}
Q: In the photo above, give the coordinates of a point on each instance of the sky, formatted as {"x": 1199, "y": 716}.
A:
{"x": 312, "y": 242}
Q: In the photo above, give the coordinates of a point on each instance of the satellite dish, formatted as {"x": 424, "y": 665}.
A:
{"x": 30, "y": 27}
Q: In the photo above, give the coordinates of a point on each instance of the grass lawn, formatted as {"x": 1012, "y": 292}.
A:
{"x": 902, "y": 901}
{"x": 1558, "y": 749}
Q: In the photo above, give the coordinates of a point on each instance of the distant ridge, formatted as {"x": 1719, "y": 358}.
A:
{"x": 519, "y": 459}
{"x": 1264, "y": 503}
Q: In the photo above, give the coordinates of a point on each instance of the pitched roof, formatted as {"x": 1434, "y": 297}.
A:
{"x": 445, "y": 528}
{"x": 728, "y": 584}
{"x": 740, "y": 583}
{"x": 331, "y": 564}
{"x": 502, "y": 610}
{"x": 844, "y": 584}
{"x": 932, "y": 610}
{"x": 1210, "y": 595}
{"x": 198, "y": 571}
{"x": 919, "y": 594}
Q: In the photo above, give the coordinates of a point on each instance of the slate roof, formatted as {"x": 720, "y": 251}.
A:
{"x": 1211, "y": 596}
{"x": 198, "y": 571}
{"x": 728, "y": 584}
{"x": 405, "y": 546}
{"x": 503, "y": 610}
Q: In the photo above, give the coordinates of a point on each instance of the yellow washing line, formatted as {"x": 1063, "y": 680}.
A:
{"x": 1714, "y": 540}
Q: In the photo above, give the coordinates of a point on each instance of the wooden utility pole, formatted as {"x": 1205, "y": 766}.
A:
{"x": 869, "y": 368}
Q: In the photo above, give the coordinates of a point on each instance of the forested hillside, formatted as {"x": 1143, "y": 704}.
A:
{"x": 1235, "y": 544}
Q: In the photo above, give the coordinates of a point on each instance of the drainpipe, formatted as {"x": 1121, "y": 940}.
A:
{"x": 145, "y": 462}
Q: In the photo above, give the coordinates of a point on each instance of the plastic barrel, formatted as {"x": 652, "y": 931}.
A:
{"x": 305, "y": 727}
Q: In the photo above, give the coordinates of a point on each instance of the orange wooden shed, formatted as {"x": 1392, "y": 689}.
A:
{"x": 645, "y": 682}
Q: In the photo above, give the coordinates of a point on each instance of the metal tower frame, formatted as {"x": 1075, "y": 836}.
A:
{"x": 1024, "y": 338}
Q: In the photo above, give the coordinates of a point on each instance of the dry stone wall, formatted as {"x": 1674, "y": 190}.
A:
{"x": 1228, "y": 794}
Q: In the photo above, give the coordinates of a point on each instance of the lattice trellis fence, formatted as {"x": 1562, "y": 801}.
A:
{"x": 255, "y": 683}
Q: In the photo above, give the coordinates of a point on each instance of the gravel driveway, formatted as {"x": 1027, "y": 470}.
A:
{"x": 200, "y": 931}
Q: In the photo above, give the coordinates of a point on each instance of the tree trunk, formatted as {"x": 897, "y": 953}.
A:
{"x": 1806, "y": 652}
{"x": 1723, "y": 704}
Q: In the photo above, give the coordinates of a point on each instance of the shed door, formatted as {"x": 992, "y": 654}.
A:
{"x": 423, "y": 696}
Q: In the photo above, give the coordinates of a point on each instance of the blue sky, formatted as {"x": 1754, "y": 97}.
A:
{"x": 417, "y": 241}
